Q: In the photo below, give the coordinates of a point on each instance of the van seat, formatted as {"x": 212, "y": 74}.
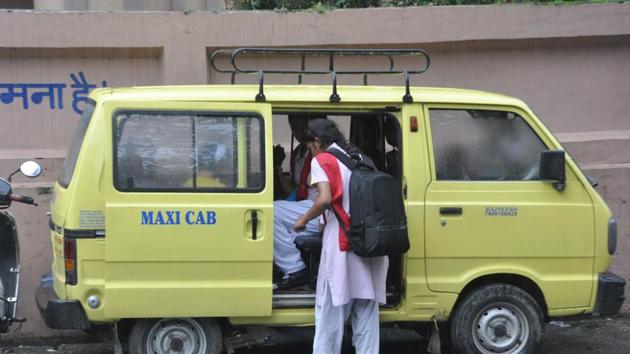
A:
{"x": 310, "y": 246}
{"x": 309, "y": 243}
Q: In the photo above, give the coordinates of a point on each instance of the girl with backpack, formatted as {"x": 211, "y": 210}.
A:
{"x": 347, "y": 285}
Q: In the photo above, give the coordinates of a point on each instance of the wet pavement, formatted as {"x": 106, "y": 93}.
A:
{"x": 591, "y": 335}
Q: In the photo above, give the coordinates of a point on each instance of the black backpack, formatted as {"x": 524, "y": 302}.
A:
{"x": 378, "y": 224}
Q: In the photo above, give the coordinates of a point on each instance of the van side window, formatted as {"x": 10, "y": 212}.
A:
{"x": 188, "y": 152}
{"x": 484, "y": 145}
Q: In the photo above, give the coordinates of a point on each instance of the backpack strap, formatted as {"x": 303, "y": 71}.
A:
{"x": 343, "y": 158}
{"x": 350, "y": 162}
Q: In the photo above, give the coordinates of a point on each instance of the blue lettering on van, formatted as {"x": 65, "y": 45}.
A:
{"x": 211, "y": 217}
{"x": 159, "y": 220}
{"x": 174, "y": 217}
{"x": 189, "y": 219}
{"x": 147, "y": 217}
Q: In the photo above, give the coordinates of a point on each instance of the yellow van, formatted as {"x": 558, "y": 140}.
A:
{"x": 162, "y": 218}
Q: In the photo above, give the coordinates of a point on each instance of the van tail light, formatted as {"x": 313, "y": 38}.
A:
{"x": 70, "y": 260}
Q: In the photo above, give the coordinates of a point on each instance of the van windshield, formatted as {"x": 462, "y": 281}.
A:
{"x": 75, "y": 146}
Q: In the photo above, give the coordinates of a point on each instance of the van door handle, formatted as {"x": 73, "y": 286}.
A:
{"x": 450, "y": 211}
{"x": 254, "y": 224}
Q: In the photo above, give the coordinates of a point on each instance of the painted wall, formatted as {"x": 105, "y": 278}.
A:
{"x": 569, "y": 63}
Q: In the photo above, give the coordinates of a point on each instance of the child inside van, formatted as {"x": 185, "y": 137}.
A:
{"x": 285, "y": 212}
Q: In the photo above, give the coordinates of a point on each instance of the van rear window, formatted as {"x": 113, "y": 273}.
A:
{"x": 188, "y": 152}
{"x": 75, "y": 145}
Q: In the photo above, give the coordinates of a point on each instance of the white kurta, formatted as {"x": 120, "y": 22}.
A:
{"x": 348, "y": 276}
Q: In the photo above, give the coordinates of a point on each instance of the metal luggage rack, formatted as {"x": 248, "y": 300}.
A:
{"x": 390, "y": 54}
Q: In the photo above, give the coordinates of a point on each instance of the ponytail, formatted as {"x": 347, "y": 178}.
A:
{"x": 348, "y": 147}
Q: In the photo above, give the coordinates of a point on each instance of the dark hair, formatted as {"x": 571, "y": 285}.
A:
{"x": 328, "y": 133}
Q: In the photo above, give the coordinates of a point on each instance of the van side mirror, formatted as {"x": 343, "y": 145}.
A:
{"x": 551, "y": 168}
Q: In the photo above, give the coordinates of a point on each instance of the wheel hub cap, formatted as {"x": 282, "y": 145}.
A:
{"x": 177, "y": 345}
{"x": 180, "y": 335}
{"x": 500, "y": 329}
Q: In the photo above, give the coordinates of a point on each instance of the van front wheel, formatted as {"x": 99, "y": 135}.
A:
{"x": 175, "y": 335}
{"x": 497, "y": 318}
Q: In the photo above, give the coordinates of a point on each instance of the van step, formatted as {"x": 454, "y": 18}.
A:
{"x": 293, "y": 300}
{"x": 281, "y": 301}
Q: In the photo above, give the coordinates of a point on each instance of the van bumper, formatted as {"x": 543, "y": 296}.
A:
{"x": 57, "y": 313}
{"x": 610, "y": 294}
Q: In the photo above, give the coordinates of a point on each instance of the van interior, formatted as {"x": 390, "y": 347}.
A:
{"x": 376, "y": 134}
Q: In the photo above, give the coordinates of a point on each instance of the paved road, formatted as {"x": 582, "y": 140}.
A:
{"x": 594, "y": 335}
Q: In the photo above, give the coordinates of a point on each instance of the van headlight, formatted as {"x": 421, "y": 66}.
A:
{"x": 612, "y": 236}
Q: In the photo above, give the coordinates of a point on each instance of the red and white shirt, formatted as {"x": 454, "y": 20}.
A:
{"x": 348, "y": 275}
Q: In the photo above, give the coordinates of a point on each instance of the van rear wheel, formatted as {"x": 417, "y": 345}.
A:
{"x": 497, "y": 318}
{"x": 175, "y": 335}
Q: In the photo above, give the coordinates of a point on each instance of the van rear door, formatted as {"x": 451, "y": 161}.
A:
{"x": 189, "y": 211}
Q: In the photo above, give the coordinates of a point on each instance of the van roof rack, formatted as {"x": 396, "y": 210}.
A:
{"x": 424, "y": 61}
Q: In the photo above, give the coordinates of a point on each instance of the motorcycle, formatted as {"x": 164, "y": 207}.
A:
{"x": 9, "y": 246}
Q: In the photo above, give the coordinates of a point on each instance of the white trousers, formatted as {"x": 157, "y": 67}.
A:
{"x": 285, "y": 255}
{"x": 329, "y": 325}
